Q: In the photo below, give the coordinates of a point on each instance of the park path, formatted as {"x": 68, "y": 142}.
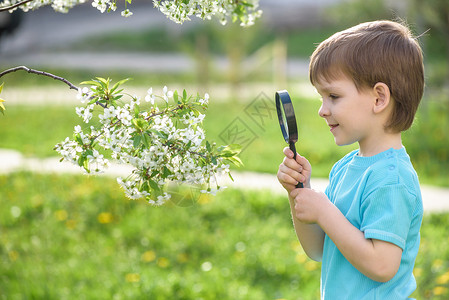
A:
{"x": 435, "y": 199}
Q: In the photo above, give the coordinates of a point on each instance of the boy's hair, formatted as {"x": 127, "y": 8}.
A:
{"x": 372, "y": 52}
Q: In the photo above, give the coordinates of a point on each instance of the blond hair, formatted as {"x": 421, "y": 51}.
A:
{"x": 372, "y": 52}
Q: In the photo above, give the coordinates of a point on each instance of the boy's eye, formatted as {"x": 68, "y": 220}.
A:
{"x": 333, "y": 96}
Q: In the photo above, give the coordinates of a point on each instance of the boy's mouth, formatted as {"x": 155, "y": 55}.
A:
{"x": 333, "y": 126}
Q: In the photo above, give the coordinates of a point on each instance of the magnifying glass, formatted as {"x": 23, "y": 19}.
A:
{"x": 287, "y": 121}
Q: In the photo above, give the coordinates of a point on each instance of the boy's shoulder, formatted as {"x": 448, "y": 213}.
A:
{"x": 395, "y": 168}
{"x": 386, "y": 168}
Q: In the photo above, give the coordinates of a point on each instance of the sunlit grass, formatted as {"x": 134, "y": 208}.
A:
{"x": 71, "y": 237}
{"x": 65, "y": 237}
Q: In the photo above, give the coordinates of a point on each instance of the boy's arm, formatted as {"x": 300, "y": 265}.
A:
{"x": 376, "y": 259}
{"x": 311, "y": 236}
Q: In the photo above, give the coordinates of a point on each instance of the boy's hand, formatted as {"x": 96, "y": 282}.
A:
{"x": 291, "y": 172}
{"x": 309, "y": 204}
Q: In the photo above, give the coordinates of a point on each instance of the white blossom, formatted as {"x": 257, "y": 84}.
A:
{"x": 177, "y": 11}
{"x": 160, "y": 145}
{"x": 84, "y": 94}
{"x": 85, "y": 112}
{"x": 204, "y": 101}
{"x": 126, "y": 13}
{"x": 101, "y": 5}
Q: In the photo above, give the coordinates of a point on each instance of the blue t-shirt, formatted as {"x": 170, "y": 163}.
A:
{"x": 379, "y": 195}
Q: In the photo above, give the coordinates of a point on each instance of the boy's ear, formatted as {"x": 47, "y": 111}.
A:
{"x": 383, "y": 97}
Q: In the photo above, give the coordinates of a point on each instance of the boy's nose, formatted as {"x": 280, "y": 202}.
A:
{"x": 323, "y": 111}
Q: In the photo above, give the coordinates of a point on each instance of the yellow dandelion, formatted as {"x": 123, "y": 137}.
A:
{"x": 296, "y": 246}
{"x": 443, "y": 279}
{"x": 311, "y": 266}
{"x": 105, "y": 218}
{"x": 163, "y": 262}
{"x": 61, "y": 215}
{"x": 70, "y": 224}
{"x": 149, "y": 256}
{"x": 437, "y": 263}
{"x": 13, "y": 255}
{"x": 182, "y": 258}
{"x": 132, "y": 277}
{"x": 301, "y": 258}
{"x": 440, "y": 290}
{"x": 240, "y": 255}
{"x": 204, "y": 198}
{"x": 417, "y": 272}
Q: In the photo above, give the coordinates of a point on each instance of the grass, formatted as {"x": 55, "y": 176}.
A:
{"x": 77, "y": 237}
{"x": 71, "y": 237}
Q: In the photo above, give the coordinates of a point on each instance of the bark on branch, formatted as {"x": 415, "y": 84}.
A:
{"x": 37, "y": 72}
{"x": 7, "y": 8}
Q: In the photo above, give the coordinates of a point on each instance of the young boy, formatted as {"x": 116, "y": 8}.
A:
{"x": 365, "y": 227}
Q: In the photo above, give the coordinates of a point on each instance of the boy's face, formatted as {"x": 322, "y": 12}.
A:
{"x": 348, "y": 112}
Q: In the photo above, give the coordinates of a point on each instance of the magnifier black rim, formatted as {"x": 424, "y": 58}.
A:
{"x": 282, "y": 97}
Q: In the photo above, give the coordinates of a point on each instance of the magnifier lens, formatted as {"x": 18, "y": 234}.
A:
{"x": 286, "y": 116}
{"x": 284, "y": 120}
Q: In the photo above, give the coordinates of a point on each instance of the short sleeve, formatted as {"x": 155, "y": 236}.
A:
{"x": 387, "y": 213}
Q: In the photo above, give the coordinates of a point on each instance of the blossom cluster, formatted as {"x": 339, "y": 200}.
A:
{"x": 162, "y": 144}
{"x": 245, "y": 11}
{"x": 58, "y": 5}
{"x": 179, "y": 11}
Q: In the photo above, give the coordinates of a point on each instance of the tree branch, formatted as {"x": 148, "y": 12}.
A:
{"x": 6, "y": 8}
{"x": 71, "y": 86}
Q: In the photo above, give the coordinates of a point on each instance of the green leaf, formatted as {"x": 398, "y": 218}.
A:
{"x": 88, "y": 152}
{"x": 175, "y": 97}
{"x": 246, "y": 4}
{"x": 146, "y": 140}
{"x": 184, "y": 96}
{"x": 165, "y": 172}
{"x": 144, "y": 186}
{"x": 154, "y": 185}
{"x": 136, "y": 141}
{"x": 221, "y": 148}
{"x": 233, "y": 149}
{"x": 81, "y": 160}
{"x": 78, "y": 139}
{"x": 118, "y": 97}
{"x": 91, "y": 82}
{"x": 158, "y": 133}
{"x": 119, "y": 83}
{"x": 235, "y": 161}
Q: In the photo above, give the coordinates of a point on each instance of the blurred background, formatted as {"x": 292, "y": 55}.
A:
{"x": 67, "y": 236}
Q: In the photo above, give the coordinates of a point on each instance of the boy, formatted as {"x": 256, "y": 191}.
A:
{"x": 365, "y": 227}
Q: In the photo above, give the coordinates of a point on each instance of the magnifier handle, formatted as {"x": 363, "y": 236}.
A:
{"x": 293, "y": 148}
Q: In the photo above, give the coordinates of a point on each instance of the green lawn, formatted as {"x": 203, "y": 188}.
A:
{"x": 72, "y": 237}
